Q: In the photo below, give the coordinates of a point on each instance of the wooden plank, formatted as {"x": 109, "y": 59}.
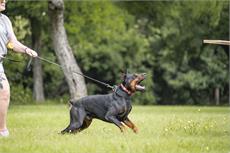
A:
{"x": 218, "y": 42}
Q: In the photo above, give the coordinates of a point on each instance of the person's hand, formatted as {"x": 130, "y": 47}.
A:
{"x": 31, "y": 52}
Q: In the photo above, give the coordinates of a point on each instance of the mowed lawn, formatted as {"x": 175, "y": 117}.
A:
{"x": 162, "y": 129}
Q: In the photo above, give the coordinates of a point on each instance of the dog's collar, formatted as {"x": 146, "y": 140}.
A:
{"x": 126, "y": 90}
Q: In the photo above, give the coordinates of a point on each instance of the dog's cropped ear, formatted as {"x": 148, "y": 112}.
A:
{"x": 123, "y": 74}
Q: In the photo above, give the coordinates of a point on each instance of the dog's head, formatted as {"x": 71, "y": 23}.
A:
{"x": 132, "y": 82}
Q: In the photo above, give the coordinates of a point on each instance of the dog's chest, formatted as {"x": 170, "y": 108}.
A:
{"x": 124, "y": 110}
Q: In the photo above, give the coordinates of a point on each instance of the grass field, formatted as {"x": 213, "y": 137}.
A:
{"x": 162, "y": 129}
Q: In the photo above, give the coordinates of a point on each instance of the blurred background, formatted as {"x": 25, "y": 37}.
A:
{"x": 161, "y": 38}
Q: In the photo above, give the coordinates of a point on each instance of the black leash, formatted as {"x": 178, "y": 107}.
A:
{"x": 9, "y": 59}
{"x": 90, "y": 78}
{"x": 28, "y": 67}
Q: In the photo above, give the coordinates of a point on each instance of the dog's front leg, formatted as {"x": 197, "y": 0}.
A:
{"x": 114, "y": 120}
{"x": 131, "y": 125}
{"x": 111, "y": 117}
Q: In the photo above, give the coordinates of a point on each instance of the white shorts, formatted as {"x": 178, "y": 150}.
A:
{"x": 1, "y": 68}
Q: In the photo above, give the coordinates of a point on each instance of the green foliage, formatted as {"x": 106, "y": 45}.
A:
{"x": 107, "y": 43}
{"x": 21, "y": 27}
{"x": 21, "y": 95}
{"x": 161, "y": 38}
{"x": 29, "y": 9}
{"x": 216, "y": 67}
{"x": 186, "y": 66}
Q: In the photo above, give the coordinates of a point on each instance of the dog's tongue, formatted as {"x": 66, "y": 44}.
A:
{"x": 139, "y": 87}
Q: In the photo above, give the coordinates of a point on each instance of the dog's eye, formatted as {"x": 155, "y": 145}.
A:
{"x": 134, "y": 77}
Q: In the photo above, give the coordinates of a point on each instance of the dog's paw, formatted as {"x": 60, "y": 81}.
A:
{"x": 123, "y": 128}
{"x": 135, "y": 130}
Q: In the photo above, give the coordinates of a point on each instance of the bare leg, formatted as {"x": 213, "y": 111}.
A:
{"x": 4, "y": 100}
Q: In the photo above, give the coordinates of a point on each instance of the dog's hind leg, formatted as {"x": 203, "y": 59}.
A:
{"x": 86, "y": 123}
{"x": 77, "y": 115}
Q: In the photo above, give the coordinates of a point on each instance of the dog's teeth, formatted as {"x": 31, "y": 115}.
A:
{"x": 139, "y": 87}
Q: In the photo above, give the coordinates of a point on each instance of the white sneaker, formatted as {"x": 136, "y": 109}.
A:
{"x": 4, "y": 133}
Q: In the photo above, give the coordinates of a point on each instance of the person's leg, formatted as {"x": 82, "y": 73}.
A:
{"x": 4, "y": 103}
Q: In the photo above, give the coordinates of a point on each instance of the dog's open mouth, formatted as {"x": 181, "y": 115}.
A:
{"x": 140, "y": 87}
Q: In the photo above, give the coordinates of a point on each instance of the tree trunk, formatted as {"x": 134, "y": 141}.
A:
{"x": 38, "y": 90}
{"x": 217, "y": 95}
{"x": 76, "y": 83}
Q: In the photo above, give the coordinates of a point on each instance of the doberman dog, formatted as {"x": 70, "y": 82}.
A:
{"x": 112, "y": 108}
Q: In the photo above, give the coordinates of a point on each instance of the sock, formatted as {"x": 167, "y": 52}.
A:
{"x": 4, "y": 133}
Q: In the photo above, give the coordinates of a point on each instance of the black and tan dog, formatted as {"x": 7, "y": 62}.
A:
{"x": 112, "y": 108}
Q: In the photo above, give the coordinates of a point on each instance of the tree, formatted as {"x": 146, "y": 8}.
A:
{"x": 38, "y": 89}
{"x": 63, "y": 51}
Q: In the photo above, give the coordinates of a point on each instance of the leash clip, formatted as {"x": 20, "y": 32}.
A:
{"x": 114, "y": 88}
{"x": 28, "y": 67}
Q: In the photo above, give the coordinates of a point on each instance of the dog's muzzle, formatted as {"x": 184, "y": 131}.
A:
{"x": 140, "y": 87}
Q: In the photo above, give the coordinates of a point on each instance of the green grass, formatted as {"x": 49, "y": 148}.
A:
{"x": 35, "y": 128}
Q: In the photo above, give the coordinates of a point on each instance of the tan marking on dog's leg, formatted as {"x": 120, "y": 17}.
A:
{"x": 131, "y": 125}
